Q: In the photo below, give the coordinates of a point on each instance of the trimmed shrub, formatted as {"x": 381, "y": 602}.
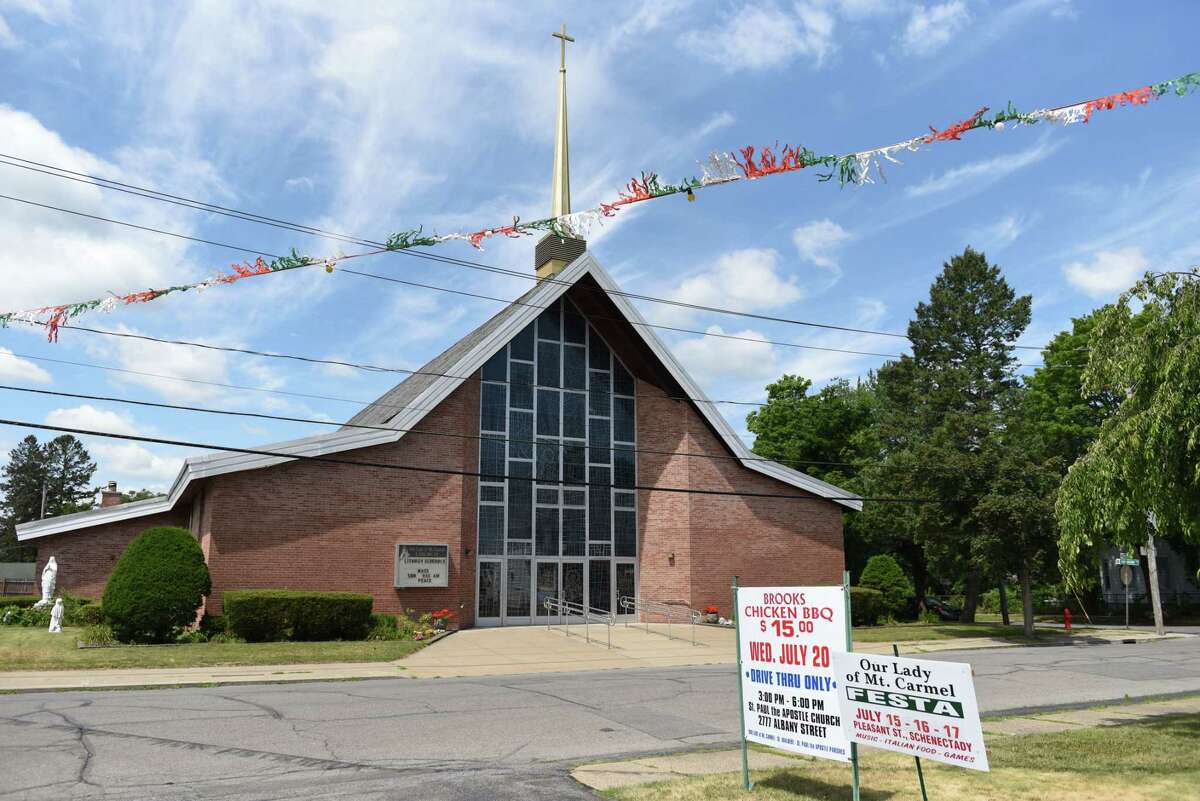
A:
{"x": 22, "y": 601}
{"x": 87, "y": 614}
{"x": 866, "y": 606}
{"x": 265, "y": 615}
{"x": 884, "y": 573}
{"x": 157, "y": 586}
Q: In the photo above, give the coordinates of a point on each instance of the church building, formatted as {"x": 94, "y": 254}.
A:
{"x": 558, "y": 450}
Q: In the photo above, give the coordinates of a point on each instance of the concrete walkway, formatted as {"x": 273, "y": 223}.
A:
{"x": 609, "y": 775}
{"x": 494, "y": 652}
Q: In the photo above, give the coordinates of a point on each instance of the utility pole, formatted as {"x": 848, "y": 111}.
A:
{"x": 1152, "y": 565}
{"x": 43, "y": 515}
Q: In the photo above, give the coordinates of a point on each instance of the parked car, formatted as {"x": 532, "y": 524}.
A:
{"x": 943, "y": 610}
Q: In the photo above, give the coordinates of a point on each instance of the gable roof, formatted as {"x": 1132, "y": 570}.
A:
{"x": 404, "y": 405}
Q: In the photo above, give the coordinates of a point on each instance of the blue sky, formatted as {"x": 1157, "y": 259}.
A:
{"x": 372, "y": 118}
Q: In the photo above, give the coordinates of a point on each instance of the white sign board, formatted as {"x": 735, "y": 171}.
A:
{"x": 422, "y": 565}
{"x": 917, "y": 707}
{"x": 788, "y": 636}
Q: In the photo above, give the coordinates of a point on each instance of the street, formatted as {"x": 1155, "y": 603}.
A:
{"x": 503, "y": 737}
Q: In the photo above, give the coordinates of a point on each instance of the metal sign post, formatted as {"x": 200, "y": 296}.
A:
{"x": 737, "y": 633}
{"x": 1126, "y": 579}
{"x": 855, "y": 790}
{"x": 920, "y": 773}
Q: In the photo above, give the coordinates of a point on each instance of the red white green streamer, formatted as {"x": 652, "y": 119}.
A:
{"x": 748, "y": 164}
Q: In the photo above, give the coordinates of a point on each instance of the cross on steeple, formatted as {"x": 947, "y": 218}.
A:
{"x": 562, "y": 55}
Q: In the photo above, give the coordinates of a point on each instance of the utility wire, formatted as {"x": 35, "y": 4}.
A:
{"x": 374, "y": 368}
{"x": 443, "y": 434}
{"x": 312, "y": 231}
{"x": 447, "y": 471}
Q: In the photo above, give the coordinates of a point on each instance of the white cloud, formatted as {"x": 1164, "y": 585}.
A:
{"x": 712, "y": 358}
{"x": 193, "y": 364}
{"x": 820, "y": 366}
{"x": 89, "y": 417}
{"x": 763, "y": 37}
{"x": 1109, "y": 272}
{"x": 301, "y": 183}
{"x": 931, "y": 28}
{"x": 722, "y": 119}
{"x": 134, "y": 464}
{"x": 747, "y": 280}
{"x": 1001, "y": 233}
{"x": 818, "y": 242}
{"x": 8, "y": 39}
{"x": 65, "y": 258}
{"x": 13, "y": 367}
{"x": 981, "y": 174}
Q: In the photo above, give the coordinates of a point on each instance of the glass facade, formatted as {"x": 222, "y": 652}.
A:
{"x": 557, "y": 497}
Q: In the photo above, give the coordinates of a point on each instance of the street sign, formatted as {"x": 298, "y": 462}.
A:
{"x": 917, "y": 707}
{"x": 1126, "y": 575}
{"x": 787, "y": 638}
{"x": 1124, "y": 562}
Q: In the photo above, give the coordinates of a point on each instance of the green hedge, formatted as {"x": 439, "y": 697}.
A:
{"x": 265, "y": 615}
{"x": 866, "y": 606}
{"x": 19, "y": 600}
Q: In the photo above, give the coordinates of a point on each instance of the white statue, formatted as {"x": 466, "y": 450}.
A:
{"x": 56, "y": 616}
{"x": 49, "y": 578}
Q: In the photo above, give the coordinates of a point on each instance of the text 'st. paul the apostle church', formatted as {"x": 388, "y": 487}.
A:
{"x": 580, "y": 460}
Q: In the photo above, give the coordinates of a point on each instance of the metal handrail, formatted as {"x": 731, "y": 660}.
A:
{"x": 635, "y": 605}
{"x": 567, "y": 610}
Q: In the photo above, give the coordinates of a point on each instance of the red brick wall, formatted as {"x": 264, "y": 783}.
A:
{"x": 763, "y": 541}
{"x": 86, "y": 557}
{"x": 320, "y": 526}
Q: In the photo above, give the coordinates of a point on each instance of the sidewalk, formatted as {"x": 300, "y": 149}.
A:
{"x": 609, "y": 775}
{"x": 496, "y": 652}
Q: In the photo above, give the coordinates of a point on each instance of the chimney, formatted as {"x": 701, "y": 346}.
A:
{"x": 109, "y": 496}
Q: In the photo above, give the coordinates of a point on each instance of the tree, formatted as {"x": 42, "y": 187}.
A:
{"x": 1066, "y": 419}
{"x": 54, "y": 477}
{"x": 69, "y": 471}
{"x": 825, "y": 434}
{"x": 129, "y": 496}
{"x": 157, "y": 586}
{"x": 1145, "y": 459}
{"x": 1017, "y": 530}
{"x": 22, "y": 485}
{"x": 942, "y": 405}
{"x": 884, "y": 573}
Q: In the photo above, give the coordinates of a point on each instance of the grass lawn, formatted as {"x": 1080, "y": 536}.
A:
{"x": 901, "y": 632}
{"x": 24, "y": 648}
{"x": 1149, "y": 761}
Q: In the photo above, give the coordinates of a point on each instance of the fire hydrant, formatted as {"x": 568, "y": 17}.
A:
{"x": 1067, "y": 619}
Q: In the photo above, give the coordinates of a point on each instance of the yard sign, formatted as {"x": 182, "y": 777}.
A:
{"x": 916, "y": 707}
{"x": 787, "y": 639}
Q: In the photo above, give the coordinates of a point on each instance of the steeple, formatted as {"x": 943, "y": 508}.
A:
{"x": 560, "y": 191}
{"x": 554, "y": 252}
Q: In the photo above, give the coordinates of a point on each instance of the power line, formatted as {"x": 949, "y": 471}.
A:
{"x": 443, "y": 434}
{"x": 446, "y": 471}
{"x": 250, "y": 217}
{"x": 378, "y": 368}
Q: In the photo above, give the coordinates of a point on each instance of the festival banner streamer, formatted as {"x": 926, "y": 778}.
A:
{"x": 856, "y": 168}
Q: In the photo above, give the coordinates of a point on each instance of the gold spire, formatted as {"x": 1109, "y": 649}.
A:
{"x": 560, "y": 190}
{"x": 556, "y": 250}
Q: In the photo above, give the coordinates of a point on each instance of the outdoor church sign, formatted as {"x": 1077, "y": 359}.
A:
{"x": 914, "y": 706}
{"x": 787, "y": 637}
{"x": 422, "y": 565}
